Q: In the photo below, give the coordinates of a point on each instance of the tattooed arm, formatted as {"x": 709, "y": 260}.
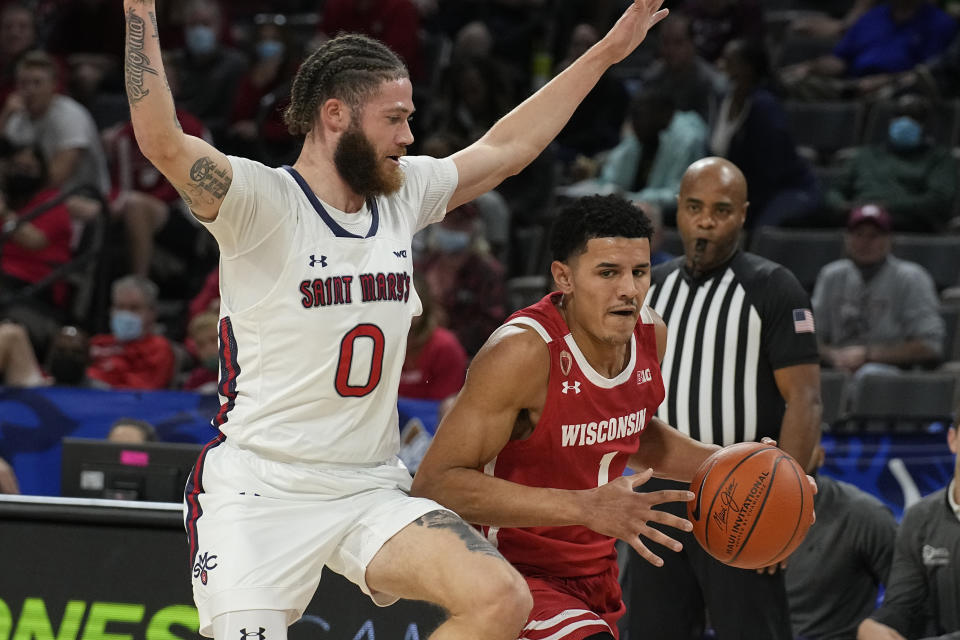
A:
{"x": 199, "y": 172}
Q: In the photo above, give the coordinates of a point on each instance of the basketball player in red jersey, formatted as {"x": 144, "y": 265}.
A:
{"x": 556, "y": 404}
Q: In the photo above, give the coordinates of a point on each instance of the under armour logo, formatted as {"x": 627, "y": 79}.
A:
{"x": 575, "y": 386}
{"x": 322, "y": 260}
{"x": 244, "y": 634}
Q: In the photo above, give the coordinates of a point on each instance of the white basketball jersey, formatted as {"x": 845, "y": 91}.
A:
{"x": 315, "y": 309}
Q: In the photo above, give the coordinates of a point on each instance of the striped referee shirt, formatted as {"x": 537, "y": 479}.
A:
{"x": 728, "y": 331}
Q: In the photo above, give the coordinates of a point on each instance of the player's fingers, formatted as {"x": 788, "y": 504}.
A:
{"x": 638, "y": 479}
{"x": 655, "y": 535}
{"x": 769, "y": 441}
{"x": 813, "y": 483}
{"x": 670, "y": 495}
{"x": 645, "y": 553}
{"x": 670, "y": 520}
{"x": 658, "y": 16}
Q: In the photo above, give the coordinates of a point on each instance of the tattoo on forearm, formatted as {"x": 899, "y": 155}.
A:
{"x": 209, "y": 183}
{"x": 469, "y": 535}
{"x": 137, "y": 62}
{"x": 153, "y": 21}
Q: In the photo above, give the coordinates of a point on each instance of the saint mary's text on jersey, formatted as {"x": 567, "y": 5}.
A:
{"x": 374, "y": 287}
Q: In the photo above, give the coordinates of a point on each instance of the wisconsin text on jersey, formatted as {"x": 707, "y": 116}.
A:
{"x": 374, "y": 287}
{"x": 579, "y": 435}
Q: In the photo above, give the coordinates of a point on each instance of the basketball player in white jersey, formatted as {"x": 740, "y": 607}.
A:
{"x": 316, "y": 301}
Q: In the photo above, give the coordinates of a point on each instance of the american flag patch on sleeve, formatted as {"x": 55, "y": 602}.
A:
{"x": 803, "y": 321}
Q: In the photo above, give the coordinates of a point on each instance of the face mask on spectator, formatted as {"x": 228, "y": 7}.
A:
{"x": 200, "y": 39}
{"x": 905, "y": 133}
{"x": 269, "y": 49}
{"x": 126, "y": 325}
{"x": 450, "y": 241}
{"x": 20, "y": 185}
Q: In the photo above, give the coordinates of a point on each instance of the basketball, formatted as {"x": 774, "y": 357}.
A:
{"x": 753, "y": 505}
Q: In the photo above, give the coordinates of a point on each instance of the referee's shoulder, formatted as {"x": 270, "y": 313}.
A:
{"x": 758, "y": 273}
{"x": 662, "y": 270}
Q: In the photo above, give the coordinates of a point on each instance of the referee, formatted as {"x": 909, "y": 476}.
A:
{"x": 741, "y": 363}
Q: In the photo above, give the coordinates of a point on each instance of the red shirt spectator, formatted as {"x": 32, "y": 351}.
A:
{"x": 131, "y": 171}
{"x": 33, "y": 265}
{"x": 144, "y": 363}
{"x": 394, "y": 22}
{"x": 208, "y": 298}
{"x": 437, "y": 371}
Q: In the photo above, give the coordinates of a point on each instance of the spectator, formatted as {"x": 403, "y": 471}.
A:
{"x": 750, "y": 130}
{"x": 715, "y": 23}
{"x": 655, "y": 150}
{"x": 834, "y": 576}
{"x": 595, "y": 125}
{"x": 132, "y": 356}
{"x": 893, "y": 37}
{"x": 36, "y": 114}
{"x": 474, "y": 93}
{"x": 30, "y": 249}
{"x": 657, "y": 254}
{"x": 256, "y": 126}
{"x": 466, "y": 281}
{"x": 132, "y": 431}
{"x": 921, "y": 595}
{"x": 875, "y": 312}
{"x": 208, "y": 298}
{"x": 8, "y": 480}
{"x": 208, "y": 71}
{"x": 821, "y": 24}
{"x": 68, "y": 358}
{"x": 692, "y": 82}
{"x": 396, "y": 23}
{"x": 149, "y": 208}
{"x": 18, "y": 362}
{"x": 18, "y": 34}
{"x": 203, "y": 344}
{"x": 912, "y": 175}
{"x": 435, "y": 364}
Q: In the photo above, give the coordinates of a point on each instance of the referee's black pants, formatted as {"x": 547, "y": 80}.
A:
{"x": 670, "y": 602}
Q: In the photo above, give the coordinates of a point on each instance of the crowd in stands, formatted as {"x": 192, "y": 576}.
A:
{"x": 718, "y": 78}
{"x": 107, "y": 280}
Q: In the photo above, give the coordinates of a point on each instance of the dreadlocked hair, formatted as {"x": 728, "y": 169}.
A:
{"x": 349, "y": 67}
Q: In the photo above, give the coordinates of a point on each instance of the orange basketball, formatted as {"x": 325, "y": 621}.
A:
{"x": 753, "y": 505}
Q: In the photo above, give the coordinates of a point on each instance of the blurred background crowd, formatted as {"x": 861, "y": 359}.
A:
{"x": 844, "y": 116}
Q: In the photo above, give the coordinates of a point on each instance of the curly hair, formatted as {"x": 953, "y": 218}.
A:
{"x": 349, "y": 67}
{"x": 596, "y": 217}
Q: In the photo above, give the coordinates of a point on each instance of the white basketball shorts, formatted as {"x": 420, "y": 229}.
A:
{"x": 261, "y": 531}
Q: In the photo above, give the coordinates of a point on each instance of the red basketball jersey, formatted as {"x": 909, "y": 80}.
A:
{"x": 589, "y": 427}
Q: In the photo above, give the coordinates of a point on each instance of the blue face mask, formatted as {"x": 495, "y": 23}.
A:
{"x": 269, "y": 49}
{"x": 200, "y": 39}
{"x": 126, "y": 325}
{"x": 450, "y": 241}
{"x": 905, "y": 133}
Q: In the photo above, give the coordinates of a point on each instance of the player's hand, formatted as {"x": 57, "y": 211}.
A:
{"x": 632, "y": 27}
{"x": 870, "y": 629}
{"x": 616, "y": 510}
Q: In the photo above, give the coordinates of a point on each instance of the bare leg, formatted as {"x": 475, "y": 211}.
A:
{"x": 18, "y": 363}
{"x": 142, "y": 216}
{"x": 441, "y": 559}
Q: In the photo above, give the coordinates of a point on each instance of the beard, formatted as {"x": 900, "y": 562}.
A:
{"x": 362, "y": 169}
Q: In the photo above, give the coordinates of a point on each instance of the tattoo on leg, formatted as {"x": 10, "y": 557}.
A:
{"x": 137, "y": 62}
{"x": 469, "y": 535}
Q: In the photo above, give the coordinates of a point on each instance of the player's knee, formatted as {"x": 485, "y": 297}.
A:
{"x": 501, "y": 604}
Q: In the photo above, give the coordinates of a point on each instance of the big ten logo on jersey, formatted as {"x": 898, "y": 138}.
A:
{"x": 338, "y": 290}
{"x": 644, "y": 375}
